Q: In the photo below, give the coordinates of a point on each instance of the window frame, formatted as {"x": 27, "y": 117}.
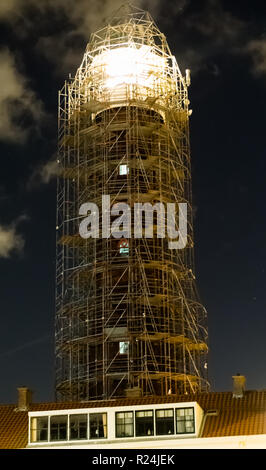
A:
{"x": 37, "y": 441}
{"x": 69, "y": 427}
{"x": 104, "y": 426}
{"x": 145, "y": 435}
{"x": 173, "y": 418}
{"x": 184, "y": 420}
{"x": 123, "y": 353}
{"x": 133, "y": 424}
{"x": 123, "y": 247}
{"x": 126, "y": 169}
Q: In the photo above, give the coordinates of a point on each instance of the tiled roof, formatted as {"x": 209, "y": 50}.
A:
{"x": 234, "y": 416}
{"x": 13, "y": 427}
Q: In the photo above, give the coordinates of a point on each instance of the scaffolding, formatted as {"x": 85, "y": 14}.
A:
{"x": 128, "y": 317}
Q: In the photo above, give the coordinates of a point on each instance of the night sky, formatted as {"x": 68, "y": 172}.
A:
{"x": 224, "y": 45}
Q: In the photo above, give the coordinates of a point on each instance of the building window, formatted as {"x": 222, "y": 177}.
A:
{"x": 58, "y": 428}
{"x": 144, "y": 423}
{"x": 123, "y": 347}
{"x": 164, "y": 422}
{"x": 124, "y": 424}
{"x": 123, "y": 170}
{"x": 123, "y": 247}
{"x": 39, "y": 429}
{"x": 98, "y": 425}
{"x": 78, "y": 426}
{"x": 185, "y": 423}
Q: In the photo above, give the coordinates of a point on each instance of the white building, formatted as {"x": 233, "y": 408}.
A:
{"x": 205, "y": 421}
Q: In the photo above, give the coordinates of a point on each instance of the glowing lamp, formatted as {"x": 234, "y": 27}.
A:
{"x": 120, "y": 67}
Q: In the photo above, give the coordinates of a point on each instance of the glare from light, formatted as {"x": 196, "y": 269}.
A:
{"x": 129, "y": 65}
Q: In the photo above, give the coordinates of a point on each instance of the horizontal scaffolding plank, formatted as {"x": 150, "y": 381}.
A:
{"x": 151, "y": 162}
{"x": 171, "y": 375}
{"x": 174, "y": 339}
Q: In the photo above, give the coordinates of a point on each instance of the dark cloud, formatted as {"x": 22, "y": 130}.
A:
{"x": 16, "y": 99}
{"x": 207, "y": 32}
{"x": 216, "y": 23}
{"x": 63, "y": 50}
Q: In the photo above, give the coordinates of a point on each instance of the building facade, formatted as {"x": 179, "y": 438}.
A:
{"x": 214, "y": 420}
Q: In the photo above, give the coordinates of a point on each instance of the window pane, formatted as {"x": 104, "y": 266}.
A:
{"x": 123, "y": 170}
{"x": 123, "y": 247}
{"x": 144, "y": 423}
{"x": 185, "y": 421}
{"x": 98, "y": 425}
{"x": 124, "y": 424}
{"x": 189, "y": 426}
{"x": 124, "y": 250}
{"x": 78, "y": 426}
{"x": 123, "y": 347}
{"x": 180, "y": 427}
{"x": 39, "y": 429}
{"x": 164, "y": 413}
{"x": 164, "y": 422}
{"x": 58, "y": 428}
{"x": 141, "y": 414}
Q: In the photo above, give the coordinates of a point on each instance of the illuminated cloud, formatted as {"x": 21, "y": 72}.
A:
{"x": 43, "y": 174}
{"x": 216, "y": 27}
{"x": 85, "y": 15}
{"x": 9, "y": 9}
{"x": 257, "y": 51}
{"x": 10, "y": 240}
{"x": 81, "y": 18}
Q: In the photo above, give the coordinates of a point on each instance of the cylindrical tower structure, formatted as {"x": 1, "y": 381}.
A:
{"x": 128, "y": 319}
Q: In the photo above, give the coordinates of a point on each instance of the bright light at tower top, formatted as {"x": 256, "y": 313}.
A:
{"x": 130, "y": 60}
{"x": 128, "y": 65}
